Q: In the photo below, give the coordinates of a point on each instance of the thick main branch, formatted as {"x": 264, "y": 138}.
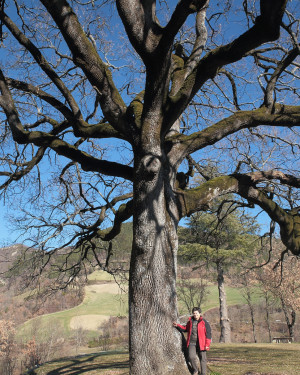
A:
{"x": 283, "y": 115}
{"x": 86, "y": 57}
{"x": 200, "y": 199}
{"x": 265, "y": 29}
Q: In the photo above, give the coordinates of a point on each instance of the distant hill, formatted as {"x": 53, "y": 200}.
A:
{"x": 9, "y": 255}
{"x": 19, "y": 304}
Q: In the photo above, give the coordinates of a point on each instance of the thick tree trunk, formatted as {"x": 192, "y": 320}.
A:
{"x": 225, "y": 335}
{"x": 155, "y": 345}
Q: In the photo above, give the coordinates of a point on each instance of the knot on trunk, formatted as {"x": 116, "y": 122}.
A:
{"x": 151, "y": 164}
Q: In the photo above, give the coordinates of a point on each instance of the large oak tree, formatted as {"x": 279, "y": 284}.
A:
{"x": 208, "y": 78}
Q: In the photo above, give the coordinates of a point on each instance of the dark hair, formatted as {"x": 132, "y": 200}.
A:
{"x": 196, "y": 309}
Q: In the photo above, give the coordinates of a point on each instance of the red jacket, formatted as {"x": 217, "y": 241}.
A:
{"x": 204, "y": 332}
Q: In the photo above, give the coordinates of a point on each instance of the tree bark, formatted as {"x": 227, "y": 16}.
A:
{"x": 267, "y": 301}
{"x": 290, "y": 322}
{"x": 155, "y": 345}
{"x": 225, "y": 335}
{"x": 251, "y": 308}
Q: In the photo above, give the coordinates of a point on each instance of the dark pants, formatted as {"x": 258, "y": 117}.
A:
{"x": 194, "y": 354}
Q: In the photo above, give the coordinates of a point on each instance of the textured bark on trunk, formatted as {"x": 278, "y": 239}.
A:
{"x": 250, "y": 304}
{"x": 248, "y": 297}
{"x": 253, "y": 322}
{"x": 267, "y": 298}
{"x": 289, "y": 321}
{"x": 225, "y": 335}
{"x": 155, "y": 345}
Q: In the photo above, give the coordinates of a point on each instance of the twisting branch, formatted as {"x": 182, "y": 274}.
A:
{"x": 265, "y": 29}
{"x": 86, "y": 57}
{"x": 234, "y": 89}
{"x": 43, "y": 139}
{"x": 24, "y": 170}
{"x": 281, "y": 116}
{"x": 141, "y": 25}
{"x": 244, "y": 185}
{"x": 201, "y": 38}
{"x": 270, "y": 90}
{"x": 182, "y": 11}
{"x": 43, "y": 63}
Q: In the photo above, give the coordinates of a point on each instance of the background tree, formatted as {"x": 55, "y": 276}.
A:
{"x": 248, "y": 291}
{"x": 65, "y": 94}
{"x": 221, "y": 238}
{"x": 281, "y": 279}
{"x": 269, "y": 302}
{"x": 8, "y": 348}
{"x": 192, "y": 292}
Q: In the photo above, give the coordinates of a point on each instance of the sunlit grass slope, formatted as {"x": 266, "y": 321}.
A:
{"x": 104, "y": 297}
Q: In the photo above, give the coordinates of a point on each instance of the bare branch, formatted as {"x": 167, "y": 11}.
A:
{"x": 265, "y": 29}
{"x": 269, "y": 97}
{"x": 86, "y": 57}
{"x": 200, "y": 199}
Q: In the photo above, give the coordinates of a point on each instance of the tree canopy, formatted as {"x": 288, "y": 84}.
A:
{"x": 228, "y": 80}
{"x": 226, "y": 235}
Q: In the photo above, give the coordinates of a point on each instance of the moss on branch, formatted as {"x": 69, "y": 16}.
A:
{"x": 200, "y": 198}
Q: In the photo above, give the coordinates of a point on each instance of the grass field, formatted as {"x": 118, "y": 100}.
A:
{"x": 233, "y": 359}
{"x": 233, "y": 295}
{"x": 102, "y": 299}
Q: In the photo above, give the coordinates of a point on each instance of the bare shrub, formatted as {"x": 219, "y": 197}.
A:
{"x": 7, "y": 348}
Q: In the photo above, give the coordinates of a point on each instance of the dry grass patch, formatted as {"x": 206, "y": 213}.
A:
{"x": 224, "y": 359}
{"x": 254, "y": 359}
{"x": 106, "y": 363}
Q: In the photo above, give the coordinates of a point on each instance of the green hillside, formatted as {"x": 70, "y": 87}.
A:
{"x": 104, "y": 298}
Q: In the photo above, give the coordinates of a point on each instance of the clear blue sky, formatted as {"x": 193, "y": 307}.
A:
{"x": 6, "y": 236}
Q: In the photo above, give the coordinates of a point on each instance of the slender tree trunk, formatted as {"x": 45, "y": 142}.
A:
{"x": 251, "y": 308}
{"x": 248, "y": 297}
{"x": 290, "y": 322}
{"x": 267, "y": 300}
{"x": 225, "y": 335}
{"x": 253, "y": 322}
{"x": 155, "y": 345}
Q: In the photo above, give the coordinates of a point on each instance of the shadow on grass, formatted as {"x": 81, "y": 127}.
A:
{"x": 85, "y": 364}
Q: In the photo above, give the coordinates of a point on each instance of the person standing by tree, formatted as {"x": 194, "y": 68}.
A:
{"x": 198, "y": 340}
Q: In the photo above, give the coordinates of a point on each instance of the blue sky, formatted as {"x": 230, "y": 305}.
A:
{"x": 6, "y": 236}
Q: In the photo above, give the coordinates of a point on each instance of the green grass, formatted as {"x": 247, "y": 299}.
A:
{"x": 223, "y": 359}
{"x": 110, "y": 304}
{"x": 108, "y": 363}
{"x": 254, "y": 359}
{"x": 100, "y": 276}
{"x": 233, "y": 295}
{"x": 93, "y": 304}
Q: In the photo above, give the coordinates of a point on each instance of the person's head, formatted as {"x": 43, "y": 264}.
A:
{"x": 196, "y": 311}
